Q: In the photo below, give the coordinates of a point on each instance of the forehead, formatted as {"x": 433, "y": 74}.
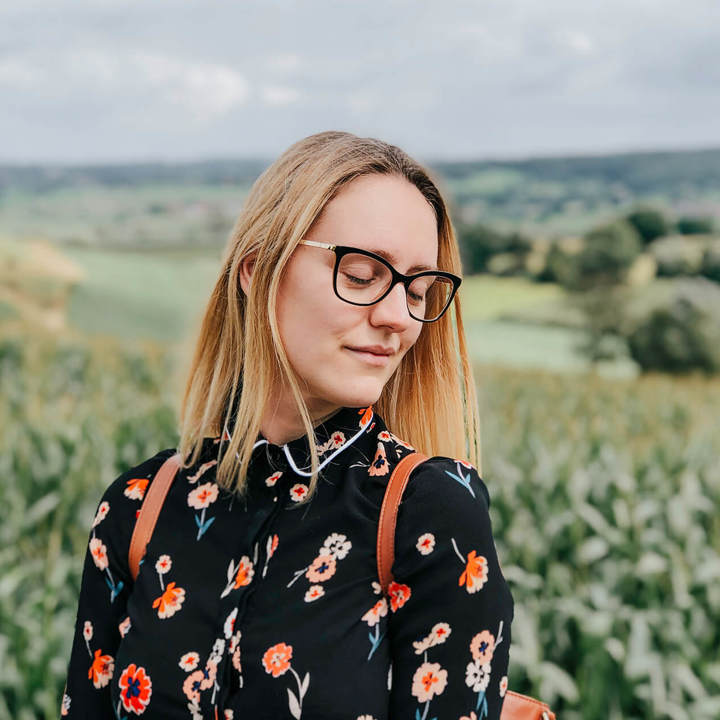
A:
{"x": 384, "y": 214}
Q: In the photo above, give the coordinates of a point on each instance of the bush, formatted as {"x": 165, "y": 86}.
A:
{"x": 606, "y": 256}
{"x": 478, "y": 243}
{"x": 695, "y": 225}
{"x": 648, "y": 222}
{"x": 677, "y": 255}
{"x": 684, "y": 336}
{"x": 710, "y": 265}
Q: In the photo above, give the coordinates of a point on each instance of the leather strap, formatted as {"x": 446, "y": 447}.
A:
{"x": 149, "y": 511}
{"x": 388, "y": 516}
{"x": 522, "y": 707}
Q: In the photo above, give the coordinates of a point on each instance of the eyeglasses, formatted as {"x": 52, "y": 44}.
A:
{"x": 361, "y": 277}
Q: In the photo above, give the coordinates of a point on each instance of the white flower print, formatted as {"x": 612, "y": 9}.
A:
{"x": 189, "y": 661}
{"x": 101, "y": 513}
{"x": 438, "y": 635}
{"x": 217, "y": 651}
{"x": 163, "y": 564}
{"x": 378, "y": 610}
{"x": 477, "y": 675}
{"x": 124, "y": 627}
{"x": 192, "y": 479}
{"x": 426, "y": 543}
{"x": 65, "y": 709}
{"x": 230, "y": 623}
{"x": 272, "y": 480}
{"x": 314, "y": 592}
{"x": 503, "y": 685}
{"x": 337, "y": 545}
{"x": 298, "y": 492}
{"x": 88, "y": 630}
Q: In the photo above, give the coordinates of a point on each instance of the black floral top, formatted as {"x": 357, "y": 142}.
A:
{"x": 263, "y": 608}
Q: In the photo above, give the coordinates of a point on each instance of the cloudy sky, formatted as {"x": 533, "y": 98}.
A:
{"x": 113, "y": 80}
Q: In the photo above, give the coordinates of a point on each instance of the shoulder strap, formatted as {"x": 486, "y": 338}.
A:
{"x": 149, "y": 511}
{"x": 388, "y": 516}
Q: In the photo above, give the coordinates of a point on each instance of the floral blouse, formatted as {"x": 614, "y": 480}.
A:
{"x": 262, "y": 608}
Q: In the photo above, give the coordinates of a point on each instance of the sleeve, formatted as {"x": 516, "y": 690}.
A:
{"x": 106, "y": 583}
{"x": 450, "y": 607}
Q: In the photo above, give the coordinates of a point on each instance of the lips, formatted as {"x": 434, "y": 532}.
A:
{"x": 374, "y": 349}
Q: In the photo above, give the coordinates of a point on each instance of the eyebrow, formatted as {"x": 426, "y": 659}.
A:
{"x": 393, "y": 260}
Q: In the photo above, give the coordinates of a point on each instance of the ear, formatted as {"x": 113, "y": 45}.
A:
{"x": 247, "y": 265}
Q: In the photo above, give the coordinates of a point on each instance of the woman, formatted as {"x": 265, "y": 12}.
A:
{"x": 259, "y": 596}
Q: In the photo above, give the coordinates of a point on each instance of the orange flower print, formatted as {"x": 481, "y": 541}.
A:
{"x": 238, "y": 576}
{"x": 101, "y": 669}
{"x": 384, "y": 435}
{"x": 322, "y": 568}
{"x": 101, "y": 513}
{"x": 270, "y": 548}
{"x": 379, "y": 465}
{"x": 426, "y": 543}
{"x": 170, "y": 601}
{"x": 276, "y": 659}
{"x": 99, "y": 554}
{"x": 273, "y": 478}
{"x": 203, "y": 496}
{"x": 482, "y": 646}
{"x": 477, "y": 672}
{"x": 314, "y": 592}
{"x": 198, "y": 681}
{"x": 135, "y": 690}
{"x": 399, "y": 595}
{"x": 429, "y": 680}
{"x": 135, "y": 489}
{"x": 189, "y": 661}
{"x": 476, "y": 572}
{"x": 372, "y": 618}
{"x": 245, "y": 572}
{"x": 298, "y": 492}
{"x": 367, "y": 415}
{"x": 378, "y": 610}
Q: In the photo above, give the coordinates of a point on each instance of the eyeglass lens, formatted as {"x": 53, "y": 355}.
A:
{"x": 363, "y": 280}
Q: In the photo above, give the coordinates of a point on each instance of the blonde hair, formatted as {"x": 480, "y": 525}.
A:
{"x": 430, "y": 400}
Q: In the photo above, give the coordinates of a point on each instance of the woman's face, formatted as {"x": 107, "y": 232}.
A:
{"x": 318, "y": 329}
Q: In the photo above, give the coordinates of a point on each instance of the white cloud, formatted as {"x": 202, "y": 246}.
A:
{"x": 279, "y": 95}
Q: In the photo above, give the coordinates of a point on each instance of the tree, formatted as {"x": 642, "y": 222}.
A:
{"x": 648, "y": 222}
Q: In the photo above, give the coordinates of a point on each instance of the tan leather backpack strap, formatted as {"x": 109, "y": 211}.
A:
{"x": 522, "y": 707}
{"x": 149, "y": 511}
{"x": 388, "y": 516}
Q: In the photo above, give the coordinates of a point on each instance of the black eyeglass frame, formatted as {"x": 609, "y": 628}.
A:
{"x": 397, "y": 277}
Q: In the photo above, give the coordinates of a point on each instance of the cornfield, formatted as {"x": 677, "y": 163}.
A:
{"x": 605, "y": 507}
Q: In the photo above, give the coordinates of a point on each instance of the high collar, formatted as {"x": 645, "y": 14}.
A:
{"x": 332, "y": 437}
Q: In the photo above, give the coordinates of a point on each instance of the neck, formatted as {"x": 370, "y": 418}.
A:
{"x": 281, "y": 423}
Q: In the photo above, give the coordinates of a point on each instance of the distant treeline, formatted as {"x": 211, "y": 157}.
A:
{"x": 681, "y": 173}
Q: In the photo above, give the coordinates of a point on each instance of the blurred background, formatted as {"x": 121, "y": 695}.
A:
{"x": 578, "y": 145}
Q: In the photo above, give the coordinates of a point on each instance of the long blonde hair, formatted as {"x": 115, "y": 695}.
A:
{"x": 430, "y": 400}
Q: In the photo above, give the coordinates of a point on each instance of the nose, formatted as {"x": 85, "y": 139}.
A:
{"x": 392, "y": 310}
